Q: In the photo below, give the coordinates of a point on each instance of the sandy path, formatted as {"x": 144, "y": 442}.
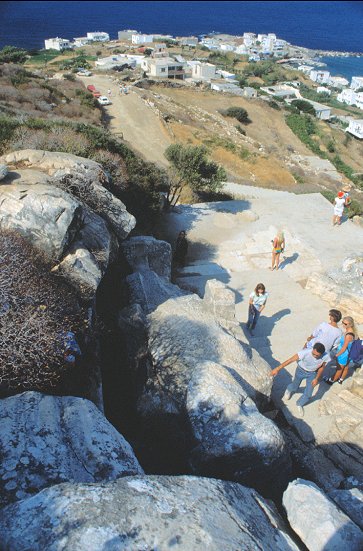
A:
{"x": 128, "y": 114}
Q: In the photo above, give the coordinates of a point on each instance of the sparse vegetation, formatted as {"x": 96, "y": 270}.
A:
{"x": 304, "y": 106}
{"x": 304, "y": 127}
{"x": 238, "y": 113}
{"x": 11, "y": 54}
{"x": 191, "y": 167}
{"x": 35, "y": 309}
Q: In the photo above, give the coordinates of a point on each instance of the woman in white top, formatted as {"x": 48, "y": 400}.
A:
{"x": 256, "y": 304}
{"x": 339, "y": 204}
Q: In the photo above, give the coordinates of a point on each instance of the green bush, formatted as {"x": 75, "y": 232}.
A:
{"x": 238, "y": 113}
{"x": 303, "y": 126}
{"x": 11, "y": 54}
{"x": 303, "y": 106}
{"x": 331, "y": 146}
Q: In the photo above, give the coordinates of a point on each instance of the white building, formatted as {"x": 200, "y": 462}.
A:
{"x": 98, "y": 36}
{"x": 142, "y": 38}
{"x": 126, "y": 34}
{"x": 120, "y": 59}
{"x": 242, "y": 49}
{"x": 357, "y": 82}
{"x": 305, "y": 69}
{"x": 338, "y": 82}
{"x": 81, "y": 41}
{"x": 281, "y": 91}
{"x": 356, "y": 128}
{"x": 359, "y": 100}
{"x": 249, "y": 92}
{"x": 249, "y": 39}
{"x": 347, "y": 96}
{"x": 187, "y": 40}
{"x": 226, "y": 75}
{"x": 165, "y": 67}
{"x": 322, "y": 77}
{"x": 227, "y": 87}
{"x": 225, "y": 47}
{"x": 57, "y": 44}
{"x": 322, "y": 112}
{"x": 323, "y": 90}
{"x": 203, "y": 71}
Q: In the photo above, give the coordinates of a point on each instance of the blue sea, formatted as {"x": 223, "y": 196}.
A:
{"x": 321, "y": 25}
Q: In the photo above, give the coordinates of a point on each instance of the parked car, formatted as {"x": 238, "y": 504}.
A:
{"x": 103, "y": 100}
{"x": 84, "y": 73}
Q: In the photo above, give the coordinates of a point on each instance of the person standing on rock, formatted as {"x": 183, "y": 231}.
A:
{"x": 339, "y": 204}
{"x": 256, "y": 304}
{"x": 342, "y": 354}
{"x": 181, "y": 249}
{"x": 310, "y": 366}
{"x": 278, "y": 246}
{"x": 328, "y": 333}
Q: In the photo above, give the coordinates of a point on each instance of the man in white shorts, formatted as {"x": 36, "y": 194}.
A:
{"x": 339, "y": 203}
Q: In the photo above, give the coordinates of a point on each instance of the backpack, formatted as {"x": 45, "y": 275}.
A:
{"x": 356, "y": 351}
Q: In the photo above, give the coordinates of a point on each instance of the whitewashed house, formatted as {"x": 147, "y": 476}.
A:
{"x": 187, "y": 41}
{"x": 322, "y": 77}
{"x": 126, "y": 34}
{"x": 322, "y": 112}
{"x": 227, "y": 87}
{"x": 226, "y": 75}
{"x": 356, "y": 128}
{"x": 241, "y": 49}
{"x": 203, "y": 71}
{"x": 98, "y": 36}
{"x": 81, "y": 41}
{"x": 57, "y": 44}
{"x": 249, "y": 92}
{"x": 359, "y": 100}
{"x": 281, "y": 91}
{"x": 323, "y": 90}
{"x": 338, "y": 82}
{"x": 165, "y": 67}
{"x": 226, "y": 47}
{"x": 305, "y": 69}
{"x": 142, "y": 38}
{"x": 357, "y": 82}
{"x": 347, "y": 96}
{"x": 249, "y": 39}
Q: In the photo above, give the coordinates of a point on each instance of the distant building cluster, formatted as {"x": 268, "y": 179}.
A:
{"x": 155, "y": 61}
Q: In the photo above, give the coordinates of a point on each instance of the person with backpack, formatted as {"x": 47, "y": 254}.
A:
{"x": 343, "y": 350}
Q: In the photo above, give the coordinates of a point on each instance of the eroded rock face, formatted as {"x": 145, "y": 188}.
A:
{"x": 199, "y": 391}
{"x": 46, "y": 216}
{"x": 341, "y": 287}
{"x": 46, "y": 440}
{"x": 154, "y": 512}
{"x": 3, "y": 171}
{"x": 318, "y": 521}
{"x": 146, "y": 253}
{"x": 149, "y": 290}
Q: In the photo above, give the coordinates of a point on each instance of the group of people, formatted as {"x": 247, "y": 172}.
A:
{"x": 326, "y": 343}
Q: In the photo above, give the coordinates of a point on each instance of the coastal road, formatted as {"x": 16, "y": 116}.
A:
{"x": 130, "y": 115}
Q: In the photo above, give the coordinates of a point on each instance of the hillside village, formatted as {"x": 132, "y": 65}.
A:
{"x": 139, "y": 410}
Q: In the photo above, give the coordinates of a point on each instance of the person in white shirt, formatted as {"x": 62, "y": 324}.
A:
{"x": 310, "y": 366}
{"x": 256, "y": 304}
{"x": 339, "y": 204}
{"x": 328, "y": 334}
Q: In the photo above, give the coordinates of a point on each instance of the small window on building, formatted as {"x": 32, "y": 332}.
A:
{"x": 162, "y": 70}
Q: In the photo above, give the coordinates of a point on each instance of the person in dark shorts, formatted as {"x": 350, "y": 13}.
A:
{"x": 181, "y": 249}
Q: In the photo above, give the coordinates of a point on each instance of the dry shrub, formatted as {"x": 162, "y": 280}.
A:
{"x": 57, "y": 138}
{"x": 36, "y": 308}
{"x": 112, "y": 163}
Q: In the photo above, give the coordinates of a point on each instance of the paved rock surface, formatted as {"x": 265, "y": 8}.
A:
{"x": 318, "y": 521}
{"x": 231, "y": 242}
{"x": 46, "y": 440}
{"x": 144, "y": 513}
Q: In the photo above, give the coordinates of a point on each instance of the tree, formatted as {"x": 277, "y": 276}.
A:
{"x": 190, "y": 166}
{"x": 303, "y": 106}
{"x": 238, "y": 113}
{"x": 11, "y": 54}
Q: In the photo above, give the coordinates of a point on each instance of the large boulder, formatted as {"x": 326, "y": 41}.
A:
{"x": 46, "y": 216}
{"x": 89, "y": 255}
{"x": 154, "y": 512}
{"x": 198, "y": 394}
{"x": 149, "y": 290}
{"x": 86, "y": 179}
{"x": 146, "y": 253}
{"x": 318, "y": 521}
{"x": 3, "y": 171}
{"x": 46, "y": 440}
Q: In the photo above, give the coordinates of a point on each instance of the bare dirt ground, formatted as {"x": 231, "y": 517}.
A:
{"x": 130, "y": 116}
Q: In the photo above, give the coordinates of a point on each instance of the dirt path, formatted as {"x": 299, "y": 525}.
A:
{"x": 138, "y": 122}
